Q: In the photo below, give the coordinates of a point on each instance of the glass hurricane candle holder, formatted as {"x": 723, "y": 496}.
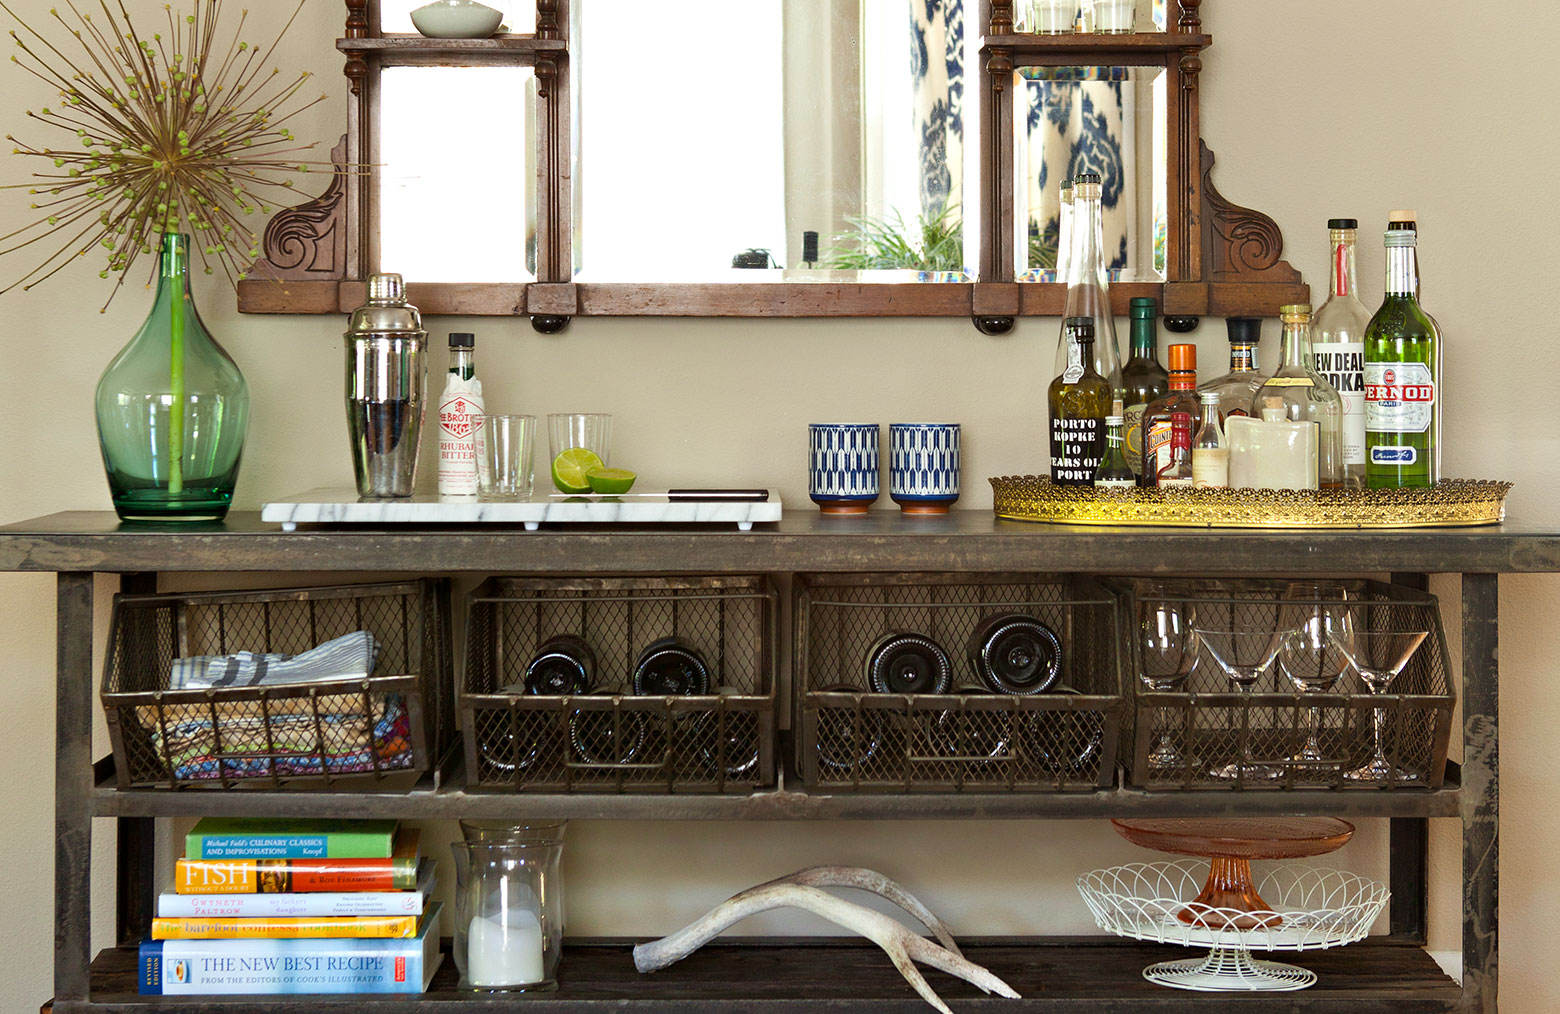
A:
{"x": 508, "y": 911}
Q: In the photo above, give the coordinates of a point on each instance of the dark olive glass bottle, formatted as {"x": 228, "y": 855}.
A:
{"x": 1144, "y": 379}
{"x": 1080, "y": 401}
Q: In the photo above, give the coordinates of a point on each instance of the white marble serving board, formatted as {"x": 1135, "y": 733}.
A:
{"x": 340, "y": 506}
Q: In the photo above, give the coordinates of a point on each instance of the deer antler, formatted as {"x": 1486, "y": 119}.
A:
{"x": 903, "y": 946}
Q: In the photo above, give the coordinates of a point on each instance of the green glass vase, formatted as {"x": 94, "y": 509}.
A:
{"x": 172, "y": 409}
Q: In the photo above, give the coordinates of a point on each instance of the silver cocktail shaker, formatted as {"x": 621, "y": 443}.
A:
{"x": 387, "y": 378}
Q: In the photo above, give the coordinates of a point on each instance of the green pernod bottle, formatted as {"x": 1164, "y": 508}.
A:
{"x": 1402, "y": 376}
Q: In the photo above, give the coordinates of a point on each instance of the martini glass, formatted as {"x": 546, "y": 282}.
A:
{"x": 1168, "y": 649}
{"x": 1310, "y": 655}
{"x": 1379, "y": 656}
{"x": 1245, "y": 656}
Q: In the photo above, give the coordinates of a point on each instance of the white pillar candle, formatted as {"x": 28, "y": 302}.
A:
{"x": 504, "y": 949}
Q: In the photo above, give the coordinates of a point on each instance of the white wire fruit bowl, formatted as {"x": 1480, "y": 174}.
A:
{"x": 1312, "y": 908}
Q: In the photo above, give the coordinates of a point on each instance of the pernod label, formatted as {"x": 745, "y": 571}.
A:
{"x": 1399, "y": 397}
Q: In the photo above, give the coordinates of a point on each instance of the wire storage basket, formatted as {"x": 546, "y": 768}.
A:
{"x": 706, "y": 725}
{"x": 853, "y": 734}
{"x": 1283, "y": 732}
{"x": 394, "y": 722}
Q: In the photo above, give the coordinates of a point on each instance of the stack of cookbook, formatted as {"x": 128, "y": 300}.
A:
{"x": 295, "y": 906}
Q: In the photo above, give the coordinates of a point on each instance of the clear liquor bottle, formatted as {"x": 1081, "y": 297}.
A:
{"x": 1114, "y": 471}
{"x": 1080, "y": 400}
{"x": 1088, "y": 289}
{"x": 1159, "y": 419}
{"x": 1338, "y": 345}
{"x": 1304, "y": 396}
{"x": 1143, "y": 379}
{"x": 1210, "y": 451}
{"x": 1402, "y": 376}
{"x": 1237, "y": 387}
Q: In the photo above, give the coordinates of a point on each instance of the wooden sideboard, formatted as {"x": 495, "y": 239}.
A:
{"x": 1390, "y": 973}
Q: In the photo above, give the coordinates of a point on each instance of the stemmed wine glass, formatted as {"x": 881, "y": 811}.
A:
{"x": 1245, "y": 656}
{"x": 1379, "y": 656}
{"x": 1168, "y": 648}
{"x": 1310, "y": 655}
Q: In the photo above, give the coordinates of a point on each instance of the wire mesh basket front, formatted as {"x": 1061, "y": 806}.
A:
{"x": 609, "y": 739}
{"x": 851, "y": 738}
{"x": 395, "y": 721}
{"x": 1209, "y": 734}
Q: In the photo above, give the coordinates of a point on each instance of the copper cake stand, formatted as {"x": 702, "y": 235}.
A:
{"x": 1229, "y": 845}
{"x": 1315, "y": 908}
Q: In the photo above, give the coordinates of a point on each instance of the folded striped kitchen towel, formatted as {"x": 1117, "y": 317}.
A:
{"x": 347, "y": 657}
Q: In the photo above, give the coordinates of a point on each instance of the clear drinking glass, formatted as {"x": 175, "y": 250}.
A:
{"x": 1245, "y": 656}
{"x": 1379, "y": 656}
{"x": 1168, "y": 648}
{"x": 1052, "y": 17}
{"x": 1310, "y": 656}
{"x": 508, "y": 913}
{"x": 592, "y": 430}
{"x": 505, "y": 443}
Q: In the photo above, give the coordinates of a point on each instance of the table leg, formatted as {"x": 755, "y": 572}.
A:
{"x": 1480, "y": 790}
{"x": 72, "y": 787}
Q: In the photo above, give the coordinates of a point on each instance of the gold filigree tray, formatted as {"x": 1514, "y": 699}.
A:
{"x": 1449, "y": 503}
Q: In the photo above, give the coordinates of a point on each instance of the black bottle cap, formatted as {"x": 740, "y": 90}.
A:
{"x": 1143, "y": 307}
{"x": 1088, "y": 177}
{"x": 462, "y": 340}
{"x": 1083, "y": 327}
{"x": 1343, "y": 223}
{"x": 1244, "y": 330}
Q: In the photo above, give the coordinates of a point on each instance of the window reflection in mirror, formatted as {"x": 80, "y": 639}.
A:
{"x": 1105, "y": 120}
{"x": 519, "y": 15}
{"x": 456, "y": 171}
{"x": 1089, "y": 15}
{"x": 845, "y": 120}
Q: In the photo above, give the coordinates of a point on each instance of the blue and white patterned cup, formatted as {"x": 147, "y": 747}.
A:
{"x": 842, "y": 475}
{"x": 923, "y": 469}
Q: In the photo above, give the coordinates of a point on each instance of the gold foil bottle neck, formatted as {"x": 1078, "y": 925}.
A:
{"x": 1295, "y": 313}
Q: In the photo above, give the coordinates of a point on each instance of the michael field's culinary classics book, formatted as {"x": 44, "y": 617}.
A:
{"x": 195, "y": 967}
{"x": 270, "y": 838}
{"x": 300, "y": 906}
{"x": 280, "y": 876}
{"x": 365, "y": 926}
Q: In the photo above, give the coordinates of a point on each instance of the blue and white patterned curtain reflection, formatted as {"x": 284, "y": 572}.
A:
{"x": 937, "y": 68}
{"x": 1078, "y": 122}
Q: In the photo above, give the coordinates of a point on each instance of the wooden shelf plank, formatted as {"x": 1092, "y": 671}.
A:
{"x": 1101, "y": 976}
{"x": 454, "y": 802}
{"x": 398, "y": 43}
{"x": 965, "y": 540}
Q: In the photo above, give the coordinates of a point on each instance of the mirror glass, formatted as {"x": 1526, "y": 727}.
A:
{"x": 1106, "y": 120}
{"x": 456, "y": 171}
{"x": 829, "y": 145}
{"x": 519, "y": 15}
{"x": 1100, "y": 16}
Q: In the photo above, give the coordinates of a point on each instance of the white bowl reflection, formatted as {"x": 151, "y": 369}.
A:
{"x": 456, "y": 19}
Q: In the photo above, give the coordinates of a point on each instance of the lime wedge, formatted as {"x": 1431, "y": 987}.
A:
{"x": 610, "y": 480}
{"x": 570, "y": 468}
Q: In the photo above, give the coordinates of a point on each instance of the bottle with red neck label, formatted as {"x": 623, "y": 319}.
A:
{"x": 1159, "y": 420}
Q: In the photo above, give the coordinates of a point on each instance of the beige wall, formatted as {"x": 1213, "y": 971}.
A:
{"x": 1324, "y": 108}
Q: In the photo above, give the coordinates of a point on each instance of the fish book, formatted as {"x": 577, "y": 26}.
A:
{"x": 301, "y": 905}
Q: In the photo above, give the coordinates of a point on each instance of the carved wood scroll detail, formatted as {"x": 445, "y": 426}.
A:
{"x": 1239, "y": 244}
{"x": 309, "y": 242}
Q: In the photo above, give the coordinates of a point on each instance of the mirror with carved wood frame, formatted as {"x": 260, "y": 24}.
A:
{"x": 1215, "y": 258}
